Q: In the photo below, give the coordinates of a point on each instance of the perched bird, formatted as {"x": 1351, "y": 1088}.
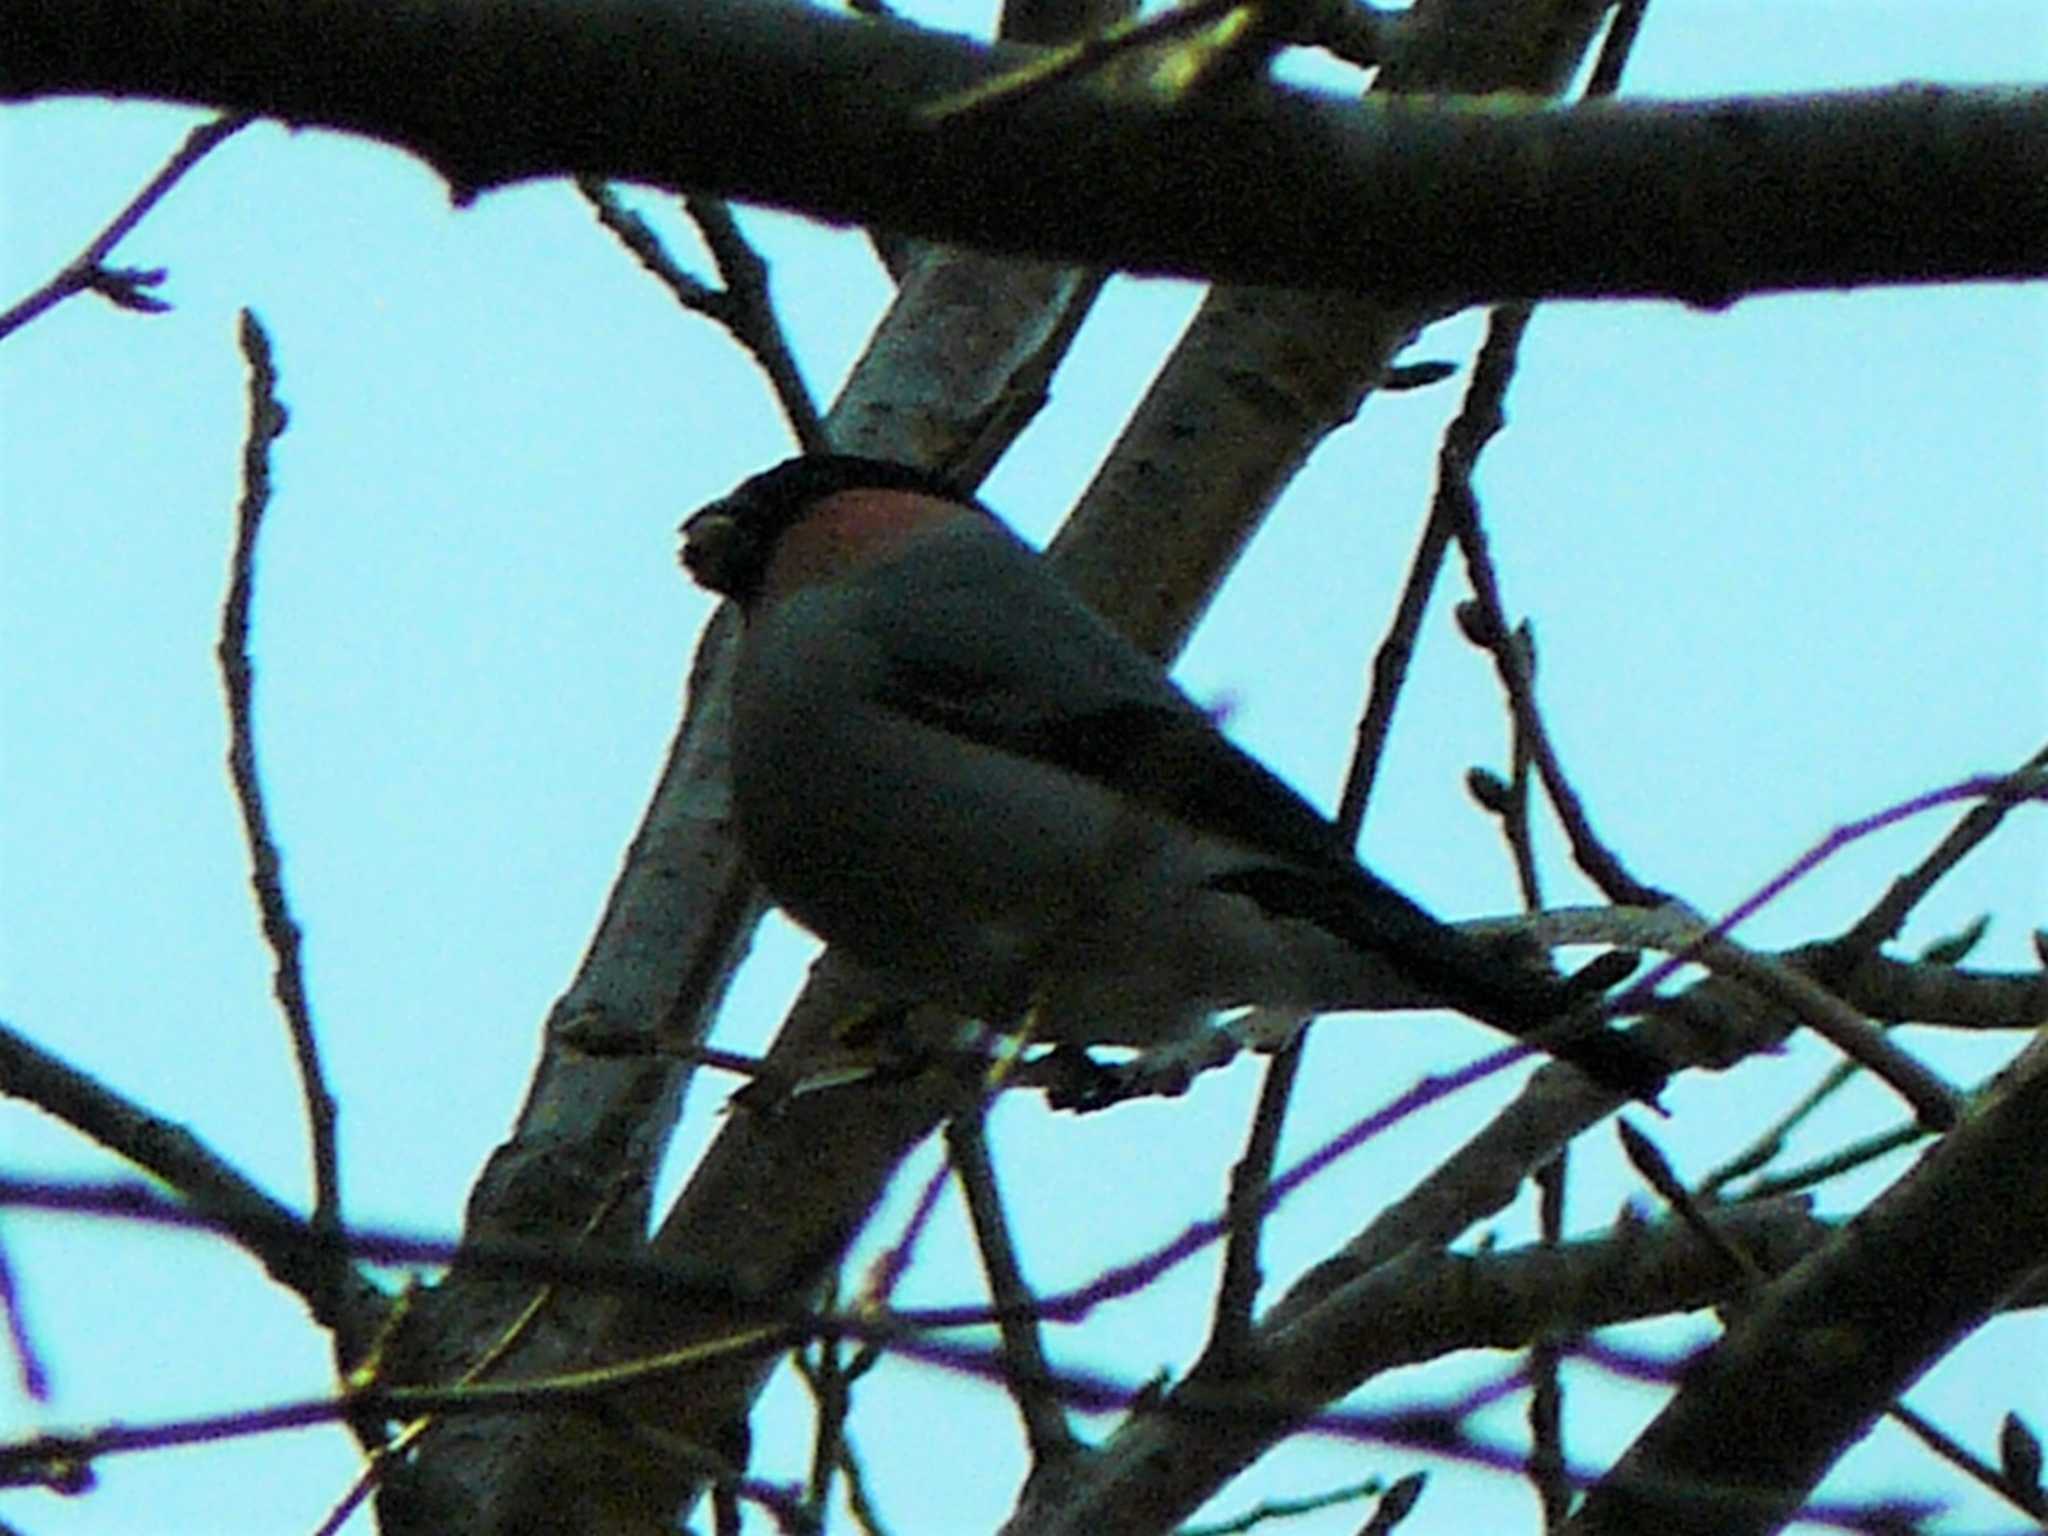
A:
{"x": 948, "y": 764}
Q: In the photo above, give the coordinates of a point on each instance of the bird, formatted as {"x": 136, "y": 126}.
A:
{"x": 946, "y": 763}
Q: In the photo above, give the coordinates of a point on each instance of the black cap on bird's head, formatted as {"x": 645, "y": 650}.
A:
{"x": 728, "y": 543}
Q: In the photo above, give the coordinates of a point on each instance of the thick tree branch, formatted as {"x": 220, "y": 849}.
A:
{"x": 1826, "y": 1349}
{"x": 1440, "y": 201}
{"x": 1164, "y": 1462}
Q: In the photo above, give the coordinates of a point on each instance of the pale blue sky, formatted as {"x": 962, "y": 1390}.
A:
{"x": 1787, "y": 563}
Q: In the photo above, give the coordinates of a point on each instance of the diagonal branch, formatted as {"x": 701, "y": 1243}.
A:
{"x": 1827, "y": 1348}
{"x": 1167, "y": 1459}
{"x": 279, "y": 1239}
{"x": 1884, "y": 920}
{"x": 742, "y": 306}
{"x": 1046, "y": 1430}
{"x": 125, "y": 287}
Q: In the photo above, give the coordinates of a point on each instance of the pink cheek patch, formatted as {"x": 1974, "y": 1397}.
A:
{"x": 845, "y": 531}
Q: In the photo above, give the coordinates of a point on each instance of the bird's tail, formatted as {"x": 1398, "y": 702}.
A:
{"x": 1494, "y": 982}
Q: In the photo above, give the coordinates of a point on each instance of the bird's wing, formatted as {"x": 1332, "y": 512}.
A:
{"x": 977, "y": 638}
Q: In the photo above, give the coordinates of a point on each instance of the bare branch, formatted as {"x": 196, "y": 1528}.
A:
{"x": 1649, "y": 1160}
{"x": 1616, "y": 47}
{"x": 1286, "y": 1509}
{"x": 1431, "y": 203}
{"x": 1548, "y": 1464}
{"x": 1920, "y": 991}
{"x": 222, "y": 1198}
{"x": 31, "y": 1372}
{"x": 1485, "y": 621}
{"x": 742, "y": 306}
{"x": 1251, "y": 1184}
{"x": 1094, "y": 53}
{"x": 2030, "y": 783}
{"x": 1046, "y": 1430}
{"x": 1827, "y": 1015}
{"x": 125, "y": 287}
{"x": 754, "y": 320}
{"x": 267, "y": 421}
{"x": 2027, "y": 1500}
{"x": 1884, "y": 920}
{"x": 1390, "y": 661}
{"x": 1168, "y": 1460}
{"x": 1856, "y": 1154}
{"x": 1826, "y": 1349}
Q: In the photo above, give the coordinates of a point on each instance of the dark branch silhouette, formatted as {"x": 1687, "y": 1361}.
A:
{"x": 1435, "y": 202}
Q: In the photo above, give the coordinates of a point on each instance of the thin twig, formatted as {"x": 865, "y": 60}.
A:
{"x": 1357, "y": 33}
{"x": 1395, "y": 1505}
{"x": 1770, "y": 1142}
{"x": 890, "y": 1265}
{"x": 1024, "y": 1364}
{"x": 725, "y": 1511}
{"x": 1477, "y": 420}
{"x": 2030, "y": 783}
{"x": 859, "y": 1502}
{"x": 275, "y": 1231}
{"x": 1884, "y": 920}
{"x": 1656, "y": 1169}
{"x": 830, "y": 1381}
{"x": 1251, "y": 1194}
{"x": 1485, "y": 621}
{"x": 41, "y": 1460}
{"x": 830, "y": 1393}
{"x": 1456, "y": 513}
{"x": 1390, "y": 670}
{"x": 2027, "y": 1500}
{"x": 1289, "y": 1509}
{"x": 125, "y": 287}
{"x": 1599, "y": 862}
{"x": 1251, "y": 1189}
{"x": 1547, "y": 1461}
{"x": 753, "y": 319}
{"x": 267, "y": 421}
{"x": 743, "y": 306}
{"x": 1515, "y": 815}
{"x": 1251, "y": 1182}
{"x": 638, "y": 236}
{"x": 30, "y": 1371}
{"x": 1508, "y": 799}
{"x": 1856, "y": 1154}
{"x": 1092, "y": 53}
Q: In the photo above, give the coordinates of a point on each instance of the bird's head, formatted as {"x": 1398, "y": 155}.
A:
{"x": 808, "y": 518}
